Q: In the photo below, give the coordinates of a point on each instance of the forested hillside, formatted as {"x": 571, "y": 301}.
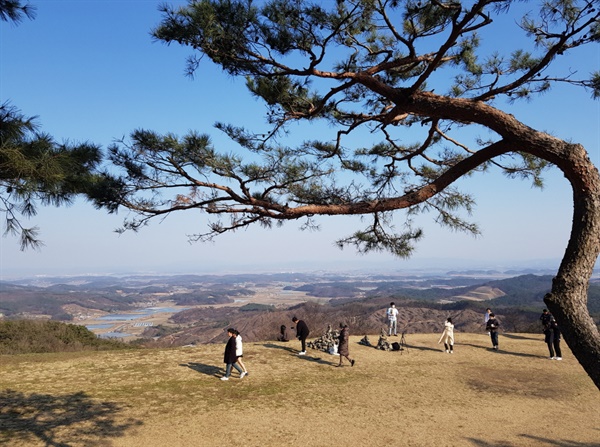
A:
{"x": 26, "y": 336}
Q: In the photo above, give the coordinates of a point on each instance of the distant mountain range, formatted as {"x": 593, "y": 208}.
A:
{"x": 426, "y": 299}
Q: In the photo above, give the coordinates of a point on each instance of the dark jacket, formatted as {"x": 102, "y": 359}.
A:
{"x": 230, "y": 356}
{"x": 343, "y": 340}
{"x": 555, "y": 330}
{"x": 492, "y": 325}
{"x": 301, "y": 330}
{"x": 545, "y": 318}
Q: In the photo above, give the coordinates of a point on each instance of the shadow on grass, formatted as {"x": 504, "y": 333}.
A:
{"x": 504, "y": 352}
{"x": 60, "y": 421}
{"x": 408, "y": 347}
{"x": 283, "y": 348}
{"x": 308, "y": 357}
{"x": 209, "y": 370}
{"x": 538, "y": 441}
{"x": 521, "y": 337}
{"x": 313, "y": 359}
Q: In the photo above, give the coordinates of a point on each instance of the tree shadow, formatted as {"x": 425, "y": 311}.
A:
{"x": 538, "y": 440}
{"x": 60, "y": 421}
{"x": 209, "y": 370}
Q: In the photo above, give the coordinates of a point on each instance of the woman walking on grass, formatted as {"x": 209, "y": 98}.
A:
{"x": 343, "y": 348}
{"x": 239, "y": 352}
{"x": 229, "y": 358}
{"x": 448, "y": 336}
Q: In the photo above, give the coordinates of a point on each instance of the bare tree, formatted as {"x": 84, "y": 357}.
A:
{"x": 417, "y": 75}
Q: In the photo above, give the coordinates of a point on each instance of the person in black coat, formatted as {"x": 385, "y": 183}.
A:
{"x": 230, "y": 356}
{"x": 545, "y": 318}
{"x": 302, "y": 332}
{"x": 552, "y": 338}
{"x": 492, "y": 327}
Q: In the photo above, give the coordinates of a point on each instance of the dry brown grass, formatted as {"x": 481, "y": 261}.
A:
{"x": 421, "y": 397}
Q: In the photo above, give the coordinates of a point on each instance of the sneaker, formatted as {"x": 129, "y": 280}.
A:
{"x": 558, "y": 358}
{"x": 242, "y": 375}
{"x": 224, "y": 378}
{"x": 551, "y": 358}
{"x": 451, "y": 352}
{"x": 351, "y": 362}
{"x": 446, "y": 351}
{"x": 302, "y": 353}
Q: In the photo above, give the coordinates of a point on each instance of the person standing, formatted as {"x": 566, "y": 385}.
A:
{"x": 302, "y": 332}
{"x": 492, "y": 327}
{"x": 545, "y": 318}
{"x": 344, "y": 342}
{"x": 552, "y": 338}
{"x": 448, "y": 336}
{"x": 229, "y": 358}
{"x": 239, "y": 352}
{"x": 392, "y": 315}
{"x": 486, "y": 317}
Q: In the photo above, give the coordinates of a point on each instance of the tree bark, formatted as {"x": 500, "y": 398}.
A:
{"x": 569, "y": 296}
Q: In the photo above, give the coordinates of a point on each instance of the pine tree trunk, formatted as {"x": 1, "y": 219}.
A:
{"x": 569, "y": 296}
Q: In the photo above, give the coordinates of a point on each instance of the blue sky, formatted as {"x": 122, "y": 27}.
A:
{"x": 91, "y": 72}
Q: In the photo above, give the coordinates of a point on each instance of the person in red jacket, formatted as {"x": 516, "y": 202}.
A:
{"x": 302, "y": 332}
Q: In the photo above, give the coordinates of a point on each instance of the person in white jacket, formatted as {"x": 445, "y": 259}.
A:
{"x": 239, "y": 352}
{"x": 392, "y": 315}
{"x": 448, "y": 336}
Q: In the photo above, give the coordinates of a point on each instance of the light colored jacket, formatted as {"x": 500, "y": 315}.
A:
{"x": 239, "y": 348}
{"x": 448, "y": 334}
{"x": 392, "y": 313}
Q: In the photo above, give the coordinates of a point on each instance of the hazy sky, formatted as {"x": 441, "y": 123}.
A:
{"x": 91, "y": 72}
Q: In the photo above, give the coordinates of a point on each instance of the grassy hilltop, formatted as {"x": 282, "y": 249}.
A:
{"x": 420, "y": 397}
